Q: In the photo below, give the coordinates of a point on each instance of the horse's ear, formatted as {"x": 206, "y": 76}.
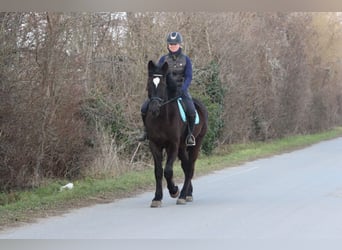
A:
{"x": 151, "y": 66}
{"x": 165, "y": 67}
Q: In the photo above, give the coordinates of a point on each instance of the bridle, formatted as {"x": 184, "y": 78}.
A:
{"x": 162, "y": 102}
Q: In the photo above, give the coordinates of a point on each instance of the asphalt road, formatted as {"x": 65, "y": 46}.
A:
{"x": 293, "y": 196}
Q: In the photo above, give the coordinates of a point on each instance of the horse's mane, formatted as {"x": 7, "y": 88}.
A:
{"x": 171, "y": 85}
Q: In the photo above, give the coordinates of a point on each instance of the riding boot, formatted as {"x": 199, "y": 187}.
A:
{"x": 143, "y": 136}
{"x": 190, "y": 139}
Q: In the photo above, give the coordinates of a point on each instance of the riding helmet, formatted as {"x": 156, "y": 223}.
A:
{"x": 174, "y": 37}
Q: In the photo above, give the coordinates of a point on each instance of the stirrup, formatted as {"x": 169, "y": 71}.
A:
{"x": 190, "y": 140}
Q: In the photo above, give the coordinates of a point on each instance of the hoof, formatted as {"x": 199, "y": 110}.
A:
{"x": 181, "y": 201}
{"x": 156, "y": 204}
{"x": 189, "y": 199}
{"x": 175, "y": 195}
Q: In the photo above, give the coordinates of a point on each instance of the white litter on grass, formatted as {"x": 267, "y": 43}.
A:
{"x": 67, "y": 186}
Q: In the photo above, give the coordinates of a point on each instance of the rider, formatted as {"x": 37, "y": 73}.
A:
{"x": 180, "y": 67}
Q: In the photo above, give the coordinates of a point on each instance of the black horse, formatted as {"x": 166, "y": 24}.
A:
{"x": 167, "y": 131}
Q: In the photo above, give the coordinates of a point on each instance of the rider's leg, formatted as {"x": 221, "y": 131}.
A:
{"x": 191, "y": 115}
{"x": 190, "y": 139}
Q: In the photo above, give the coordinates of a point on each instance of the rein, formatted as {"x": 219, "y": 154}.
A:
{"x": 164, "y": 102}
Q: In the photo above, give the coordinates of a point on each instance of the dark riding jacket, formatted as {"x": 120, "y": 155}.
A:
{"x": 181, "y": 68}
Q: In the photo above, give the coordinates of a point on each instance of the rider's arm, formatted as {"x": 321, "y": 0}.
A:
{"x": 187, "y": 75}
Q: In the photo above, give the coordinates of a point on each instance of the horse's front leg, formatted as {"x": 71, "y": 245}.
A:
{"x": 171, "y": 151}
{"x": 158, "y": 173}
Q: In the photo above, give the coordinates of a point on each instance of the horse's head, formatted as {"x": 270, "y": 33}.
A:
{"x": 157, "y": 86}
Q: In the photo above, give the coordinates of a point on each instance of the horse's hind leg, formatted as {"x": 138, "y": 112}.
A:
{"x": 188, "y": 169}
{"x": 189, "y": 197}
{"x": 168, "y": 172}
{"x": 188, "y": 160}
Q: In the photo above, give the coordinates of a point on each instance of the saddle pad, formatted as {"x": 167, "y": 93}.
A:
{"x": 182, "y": 112}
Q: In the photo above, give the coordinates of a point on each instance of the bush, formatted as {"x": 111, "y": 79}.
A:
{"x": 43, "y": 137}
{"x": 208, "y": 89}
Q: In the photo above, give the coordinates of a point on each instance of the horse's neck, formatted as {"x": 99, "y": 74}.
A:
{"x": 164, "y": 115}
{"x": 168, "y": 112}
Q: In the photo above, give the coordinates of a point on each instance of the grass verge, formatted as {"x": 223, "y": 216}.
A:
{"x": 18, "y": 207}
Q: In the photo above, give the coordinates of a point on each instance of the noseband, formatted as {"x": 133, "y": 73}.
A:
{"x": 161, "y": 101}
{"x": 158, "y": 99}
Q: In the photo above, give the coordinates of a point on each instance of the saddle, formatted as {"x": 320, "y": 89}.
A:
{"x": 182, "y": 111}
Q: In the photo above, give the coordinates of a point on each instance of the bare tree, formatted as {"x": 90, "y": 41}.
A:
{"x": 72, "y": 83}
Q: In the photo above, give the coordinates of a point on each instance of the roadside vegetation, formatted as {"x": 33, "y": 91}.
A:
{"x": 71, "y": 87}
{"x": 48, "y": 200}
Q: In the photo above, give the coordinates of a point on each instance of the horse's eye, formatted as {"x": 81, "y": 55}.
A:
{"x": 156, "y": 81}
